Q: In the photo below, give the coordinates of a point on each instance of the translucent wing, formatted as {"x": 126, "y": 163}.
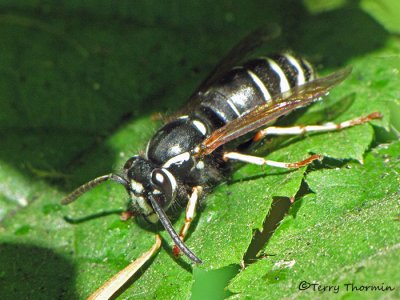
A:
{"x": 235, "y": 56}
{"x": 242, "y": 49}
{"x": 280, "y": 105}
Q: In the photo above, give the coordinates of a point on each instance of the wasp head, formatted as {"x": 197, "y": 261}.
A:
{"x": 145, "y": 180}
{"x": 152, "y": 191}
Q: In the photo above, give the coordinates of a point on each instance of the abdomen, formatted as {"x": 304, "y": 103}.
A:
{"x": 244, "y": 88}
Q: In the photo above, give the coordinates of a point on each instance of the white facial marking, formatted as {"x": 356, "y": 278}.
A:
{"x": 200, "y": 126}
{"x": 137, "y": 187}
{"x": 142, "y": 204}
{"x": 183, "y": 117}
{"x": 153, "y": 218}
{"x": 300, "y": 74}
{"x": 261, "y": 86}
{"x": 177, "y": 160}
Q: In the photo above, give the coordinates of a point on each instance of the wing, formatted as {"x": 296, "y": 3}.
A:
{"x": 235, "y": 56}
{"x": 281, "y": 105}
{"x": 242, "y": 49}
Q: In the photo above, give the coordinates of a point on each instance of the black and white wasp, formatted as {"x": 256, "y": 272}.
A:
{"x": 233, "y": 107}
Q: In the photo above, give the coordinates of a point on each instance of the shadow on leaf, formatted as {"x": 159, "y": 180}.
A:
{"x": 31, "y": 272}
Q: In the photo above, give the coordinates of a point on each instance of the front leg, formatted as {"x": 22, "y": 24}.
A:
{"x": 126, "y": 215}
{"x": 190, "y": 212}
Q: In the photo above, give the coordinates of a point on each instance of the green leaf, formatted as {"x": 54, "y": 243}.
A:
{"x": 386, "y": 12}
{"x": 342, "y": 234}
{"x": 317, "y": 6}
{"x": 79, "y": 84}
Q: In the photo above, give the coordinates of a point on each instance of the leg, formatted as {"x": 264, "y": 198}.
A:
{"x": 126, "y": 215}
{"x": 190, "y": 211}
{"x": 157, "y": 116}
{"x": 261, "y": 161}
{"x": 314, "y": 128}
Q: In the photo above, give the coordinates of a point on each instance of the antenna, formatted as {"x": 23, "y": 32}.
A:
{"x": 167, "y": 225}
{"x": 92, "y": 184}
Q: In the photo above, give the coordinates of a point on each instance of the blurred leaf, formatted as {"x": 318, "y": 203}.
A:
{"x": 318, "y": 6}
{"x": 79, "y": 84}
{"x": 386, "y": 12}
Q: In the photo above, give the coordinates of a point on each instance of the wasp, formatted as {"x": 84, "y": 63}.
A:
{"x": 234, "y": 108}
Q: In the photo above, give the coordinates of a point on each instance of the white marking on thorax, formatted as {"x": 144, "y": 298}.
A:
{"x": 200, "y": 127}
{"x": 257, "y": 81}
{"x": 183, "y": 117}
{"x": 284, "y": 84}
{"x": 200, "y": 165}
{"x": 300, "y": 73}
{"x": 177, "y": 160}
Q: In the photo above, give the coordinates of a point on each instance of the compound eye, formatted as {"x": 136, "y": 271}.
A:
{"x": 164, "y": 181}
{"x": 129, "y": 163}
